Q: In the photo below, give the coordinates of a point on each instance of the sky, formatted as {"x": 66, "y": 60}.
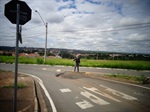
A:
{"x": 97, "y": 25}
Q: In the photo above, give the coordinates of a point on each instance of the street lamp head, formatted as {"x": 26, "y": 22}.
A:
{"x": 41, "y": 18}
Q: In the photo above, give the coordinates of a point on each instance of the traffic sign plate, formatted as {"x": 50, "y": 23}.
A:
{"x": 11, "y": 12}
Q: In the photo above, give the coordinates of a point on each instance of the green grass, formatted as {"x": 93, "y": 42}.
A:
{"x": 27, "y": 60}
{"x": 139, "y": 79}
{"x": 136, "y": 65}
{"x": 19, "y": 85}
{"x": 57, "y": 61}
{"x": 7, "y": 59}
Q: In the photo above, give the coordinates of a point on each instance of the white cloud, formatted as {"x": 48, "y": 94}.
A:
{"x": 55, "y": 18}
{"x": 104, "y": 25}
{"x": 128, "y": 21}
{"x": 137, "y": 37}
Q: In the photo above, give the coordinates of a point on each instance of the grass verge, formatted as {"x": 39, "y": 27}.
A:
{"x": 19, "y": 86}
{"x": 135, "y": 65}
{"x": 138, "y": 79}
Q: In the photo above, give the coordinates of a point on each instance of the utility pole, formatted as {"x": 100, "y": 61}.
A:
{"x": 97, "y": 55}
{"x": 46, "y": 26}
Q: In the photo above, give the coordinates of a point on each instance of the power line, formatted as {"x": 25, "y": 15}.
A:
{"x": 119, "y": 28}
{"x": 90, "y": 30}
{"x": 33, "y": 27}
{"x": 112, "y": 30}
{"x": 28, "y": 29}
{"x": 125, "y": 27}
{"x": 33, "y": 36}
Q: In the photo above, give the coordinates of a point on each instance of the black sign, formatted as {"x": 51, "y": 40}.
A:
{"x": 11, "y": 12}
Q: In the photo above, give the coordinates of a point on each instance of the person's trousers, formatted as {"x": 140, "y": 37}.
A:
{"x": 76, "y": 67}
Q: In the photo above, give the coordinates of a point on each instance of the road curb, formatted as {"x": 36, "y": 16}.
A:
{"x": 80, "y": 67}
{"x": 35, "y": 99}
{"x": 42, "y": 87}
{"x": 35, "y": 106}
{"x": 42, "y": 107}
{"x": 136, "y": 85}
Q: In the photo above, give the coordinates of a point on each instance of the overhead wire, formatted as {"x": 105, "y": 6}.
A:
{"x": 116, "y": 28}
{"x": 37, "y": 26}
{"x": 87, "y": 30}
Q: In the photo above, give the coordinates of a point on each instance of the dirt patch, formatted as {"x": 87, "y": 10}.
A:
{"x": 71, "y": 75}
{"x": 78, "y": 75}
{"x": 25, "y": 94}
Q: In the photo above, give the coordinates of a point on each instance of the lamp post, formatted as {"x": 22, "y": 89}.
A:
{"x": 46, "y": 26}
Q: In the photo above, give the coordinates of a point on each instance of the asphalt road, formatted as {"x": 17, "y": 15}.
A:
{"x": 83, "y": 94}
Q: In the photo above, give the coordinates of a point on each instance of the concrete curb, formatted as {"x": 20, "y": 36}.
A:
{"x": 35, "y": 99}
{"x": 40, "y": 105}
{"x": 35, "y": 105}
{"x": 116, "y": 81}
{"x": 39, "y": 95}
{"x": 80, "y": 67}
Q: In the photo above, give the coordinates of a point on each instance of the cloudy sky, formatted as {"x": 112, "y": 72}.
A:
{"x": 99, "y": 25}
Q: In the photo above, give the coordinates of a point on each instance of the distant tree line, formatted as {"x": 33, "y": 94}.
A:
{"x": 84, "y": 54}
{"x": 107, "y": 56}
{"x": 67, "y": 55}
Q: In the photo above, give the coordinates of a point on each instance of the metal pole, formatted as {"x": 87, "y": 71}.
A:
{"x": 46, "y": 25}
{"x": 41, "y": 17}
{"x": 97, "y": 55}
{"x": 16, "y": 60}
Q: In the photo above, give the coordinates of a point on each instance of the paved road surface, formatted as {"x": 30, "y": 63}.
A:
{"x": 83, "y": 94}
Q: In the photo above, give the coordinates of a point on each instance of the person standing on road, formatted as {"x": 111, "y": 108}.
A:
{"x": 77, "y": 62}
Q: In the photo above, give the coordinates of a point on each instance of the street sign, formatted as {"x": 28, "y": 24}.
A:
{"x": 19, "y": 13}
{"x": 11, "y": 12}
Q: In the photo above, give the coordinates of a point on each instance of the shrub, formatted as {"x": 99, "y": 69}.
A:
{"x": 142, "y": 79}
{"x": 39, "y": 61}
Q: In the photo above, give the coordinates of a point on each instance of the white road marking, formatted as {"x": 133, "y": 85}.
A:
{"x": 118, "y": 93}
{"x": 43, "y": 68}
{"x": 84, "y": 105}
{"x": 95, "y": 90}
{"x": 76, "y": 97}
{"x": 65, "y": 90}
{"x": 139, "y": 94}
{"x": 94, "y": 98}
{"x": 46, "y": 92}
{"x": 58, "y": 70}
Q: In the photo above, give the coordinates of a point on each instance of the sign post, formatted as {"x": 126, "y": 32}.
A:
{"x": 16, "y": 60}
{"x": 19, "y": 13}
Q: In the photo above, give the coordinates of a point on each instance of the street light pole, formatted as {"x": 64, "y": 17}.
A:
{"x": 46, "y": 26}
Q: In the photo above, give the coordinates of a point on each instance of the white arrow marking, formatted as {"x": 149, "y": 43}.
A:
{"x": 120, "y": 94}
{"x": 85, "y": 104}
{"x": 95, "y": 90}
{"x": 94, "y": 98}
